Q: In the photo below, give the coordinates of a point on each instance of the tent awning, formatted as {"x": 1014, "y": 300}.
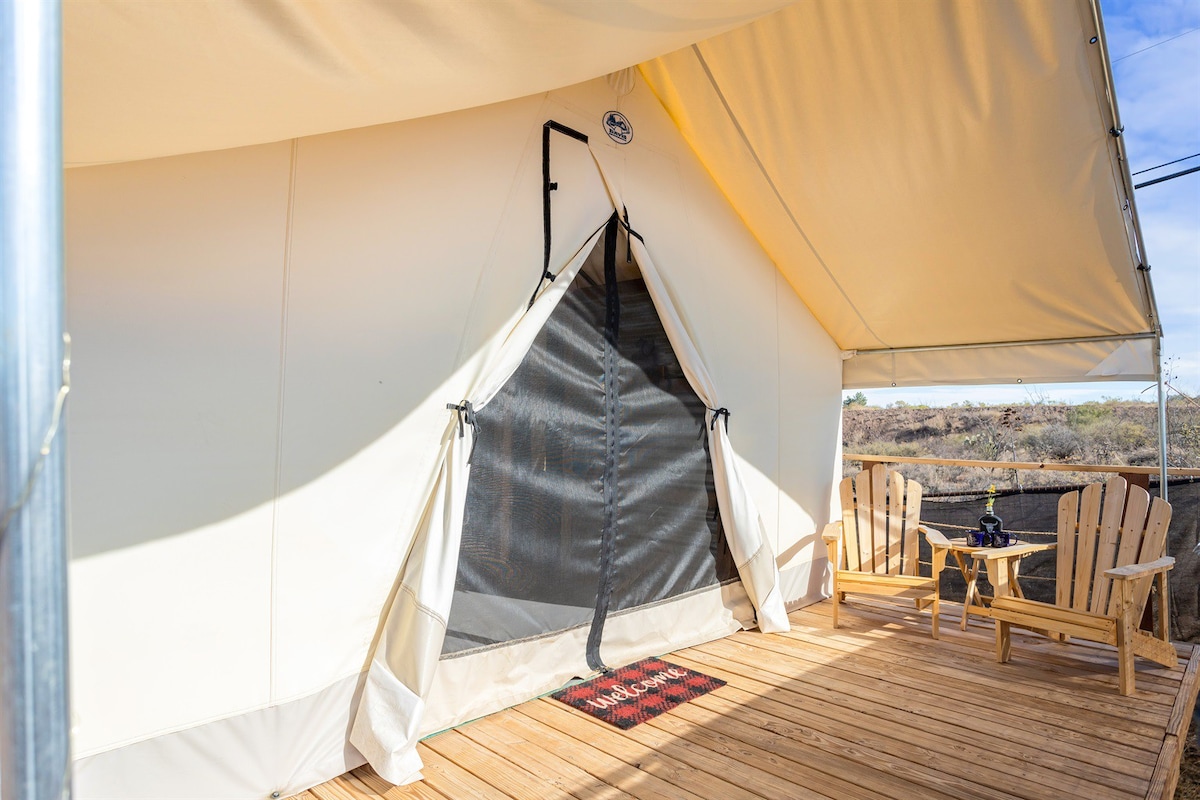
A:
{"x": 924, "y": 175}
{"x": 931, "y": 174}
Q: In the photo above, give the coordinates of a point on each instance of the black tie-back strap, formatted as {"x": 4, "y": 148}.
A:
{"x": 717, "y": 413}
{"x": 466, "y": 416}
{"x": 628, "y": 239}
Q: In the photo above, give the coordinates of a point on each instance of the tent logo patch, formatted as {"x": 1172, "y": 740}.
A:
{"x": 618, "y": 128}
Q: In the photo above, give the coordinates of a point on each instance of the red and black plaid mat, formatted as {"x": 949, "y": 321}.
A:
{"x": 631, "y": 695}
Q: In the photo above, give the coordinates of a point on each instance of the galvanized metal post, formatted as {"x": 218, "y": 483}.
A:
{"x": 1162, "y": 420}
{"x": 34, "y": 719}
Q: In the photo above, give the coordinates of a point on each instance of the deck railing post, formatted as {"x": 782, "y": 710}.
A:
{"x": 34, "y": 720}
{"x": 1163, "y": 488}
{"x": 1141, "y": 479}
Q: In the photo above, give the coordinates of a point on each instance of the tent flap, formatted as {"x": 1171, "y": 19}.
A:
{"x": 1102, "y": 358}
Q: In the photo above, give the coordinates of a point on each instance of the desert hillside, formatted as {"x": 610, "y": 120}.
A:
{"x": 1111, "y": 432}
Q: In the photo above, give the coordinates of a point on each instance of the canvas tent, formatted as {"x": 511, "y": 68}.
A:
{"x": 296, "y": 233}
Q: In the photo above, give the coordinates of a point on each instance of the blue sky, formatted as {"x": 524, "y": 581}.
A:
{"x": 1158, "y": 93}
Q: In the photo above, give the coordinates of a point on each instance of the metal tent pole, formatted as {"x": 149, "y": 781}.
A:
{"x": 34, "y": 719}
{"x": 1162, "y": 421}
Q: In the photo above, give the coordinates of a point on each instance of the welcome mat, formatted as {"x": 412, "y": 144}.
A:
{"x": 631, "y": 695}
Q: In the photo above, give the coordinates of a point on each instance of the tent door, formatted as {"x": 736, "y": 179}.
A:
{"x": 591, "y": 489}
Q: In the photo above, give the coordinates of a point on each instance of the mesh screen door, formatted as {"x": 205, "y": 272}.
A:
{"x": 591, "y": 488}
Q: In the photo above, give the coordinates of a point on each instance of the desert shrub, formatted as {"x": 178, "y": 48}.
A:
{"x": 1144, "y": 457}
{"x": 856, "y": 399}
{"x": 1110, "y": 440}
{"x": 892, "y": 448}
{"x": 994, "y": 437}
{"x": 1097, "y": 433}
{"x": 1053, "y": 442}
{"x": 1087, "y": 413}
{"x": 1184, "y": 444}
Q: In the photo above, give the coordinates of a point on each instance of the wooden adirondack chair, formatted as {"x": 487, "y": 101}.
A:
{"x": 873, "y": 550}
{"x": 1107, "y": 557}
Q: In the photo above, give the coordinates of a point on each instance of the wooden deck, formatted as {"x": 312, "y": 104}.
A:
{"x": 875, "y": 709}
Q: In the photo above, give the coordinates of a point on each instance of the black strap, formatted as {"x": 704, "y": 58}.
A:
{"x": 717, "y": 413}
{"x": 549, "y": 186}
{"x": 466, "y": 416}
{"x": 631, "y": 232}
{"x": 612, "y": 299}
{"x": 612, "y": 420}
{"x": 628, "y": 239}
{"x": 558, "y": 127}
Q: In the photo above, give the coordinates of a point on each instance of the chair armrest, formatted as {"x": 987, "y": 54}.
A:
{"x": 1140, "y": 570}
{"x": 832, "y": 532}
{"x": 935, "y": 537}
{"x": 1013, "y": 551}
{"x": 939, "y": 546}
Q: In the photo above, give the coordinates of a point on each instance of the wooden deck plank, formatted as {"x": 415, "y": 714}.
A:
{"x": 502, "y": 736}
{"x": 618, "y": 743}
{"x": 1162, "y": 785}
{"x": 705, "y": 759}
{"x": 452, "y": 780}
{"x": 1013, "y": 712}
{"x": 495, "y": 770}
{"x": 813, "y": 750}
{"x": 942, "y": 714}
{"x": 874, "y": 709}
{"x": 929, "y": 695}
{"x": 374, "y": 787}
{"x": 1089, "y": 662}
{"x": 1166, "y": 770}
{"x": 1002, "y": 751}
{"x": 806, "y": 772}
{"x": 961, "y": 769}
{"x": 629, "y": 777}
{"x": 884, "y": 776}
{"x": 1079, "y": 659}
{"x": 334, "y": 790}
{"x": 1181, "y": 713}
{"x": 1043, "y": 668}
{"x": 352, "y": 787}
{"x": 966, "y": 676}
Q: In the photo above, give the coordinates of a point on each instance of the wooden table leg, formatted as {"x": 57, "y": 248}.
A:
{"x": 971, "y": 574}
{"x": 1014, "y": 566}
{"x": 1000, "y": 582}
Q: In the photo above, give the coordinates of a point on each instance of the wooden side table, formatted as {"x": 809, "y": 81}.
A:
{"x": 1005, "y": 581}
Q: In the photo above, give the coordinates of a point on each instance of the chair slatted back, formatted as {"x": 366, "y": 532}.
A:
{"x": 1099, "y": 530}
{"x": 880, "y": 515}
